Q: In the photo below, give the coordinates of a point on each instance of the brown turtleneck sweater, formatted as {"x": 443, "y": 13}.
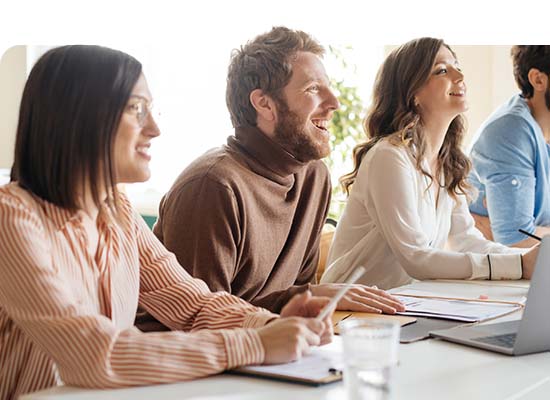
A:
{"x": 246, "y": 218}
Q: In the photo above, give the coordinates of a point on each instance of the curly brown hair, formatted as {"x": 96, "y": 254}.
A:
{"x": 394, "y": 115}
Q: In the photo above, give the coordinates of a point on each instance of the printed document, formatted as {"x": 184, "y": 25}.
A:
{"x": 456, "y": 309}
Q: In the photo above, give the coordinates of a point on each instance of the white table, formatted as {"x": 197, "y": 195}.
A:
{"x": 429, "y": 369}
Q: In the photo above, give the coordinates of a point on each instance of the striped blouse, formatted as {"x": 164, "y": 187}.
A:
{"x": 66, "y": 315}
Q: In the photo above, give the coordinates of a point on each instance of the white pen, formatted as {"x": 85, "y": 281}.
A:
{"x": 358, "y": 273}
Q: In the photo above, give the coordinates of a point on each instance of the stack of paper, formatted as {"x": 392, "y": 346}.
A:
{"x": 455, "y": 309}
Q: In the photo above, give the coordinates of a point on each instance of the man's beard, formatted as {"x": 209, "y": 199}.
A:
{"x": 291, "y": 134}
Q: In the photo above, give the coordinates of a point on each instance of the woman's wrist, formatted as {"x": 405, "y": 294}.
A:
{"x": 521, "y": 264}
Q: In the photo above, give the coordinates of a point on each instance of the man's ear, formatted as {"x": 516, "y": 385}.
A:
{"x": 264, "y": 105}
{"x": 538, "y": 79}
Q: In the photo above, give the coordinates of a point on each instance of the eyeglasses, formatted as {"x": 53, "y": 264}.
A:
{"x": 141, "y": 108}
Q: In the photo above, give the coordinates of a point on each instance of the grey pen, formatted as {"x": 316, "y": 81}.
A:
{"x": 358, "y": 273}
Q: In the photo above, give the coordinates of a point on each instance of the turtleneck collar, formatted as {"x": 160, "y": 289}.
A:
{"x": 267, "y": 153}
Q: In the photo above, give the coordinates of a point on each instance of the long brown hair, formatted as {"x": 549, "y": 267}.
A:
{"x": 394, "y": 114}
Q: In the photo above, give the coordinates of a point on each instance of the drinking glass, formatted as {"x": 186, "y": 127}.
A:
{"x": 370, "y": 357}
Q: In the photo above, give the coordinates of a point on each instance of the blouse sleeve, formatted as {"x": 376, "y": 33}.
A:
{"x": 88, "y": 349}
{"x": 181, "y": 302}
{"x": 465, "y": 237}
{"x": 394, "y": 206}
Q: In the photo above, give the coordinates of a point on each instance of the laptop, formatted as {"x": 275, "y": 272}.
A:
{"x": 531, "y": 334}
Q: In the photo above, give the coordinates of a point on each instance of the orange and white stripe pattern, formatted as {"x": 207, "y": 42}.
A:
{"x": 66, "y": 315}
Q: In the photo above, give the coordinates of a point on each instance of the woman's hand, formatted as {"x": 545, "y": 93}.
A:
{"x": 361, "y": 298}
{"x": 308, "y": 306}
{"x": 288, "y": 339}
{"x": 528, "y": 261}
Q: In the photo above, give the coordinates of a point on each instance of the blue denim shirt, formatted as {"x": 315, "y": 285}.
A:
{"x": 511, "y": 170}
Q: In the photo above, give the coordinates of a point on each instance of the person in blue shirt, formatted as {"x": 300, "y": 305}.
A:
{"x": 511, "y": 158}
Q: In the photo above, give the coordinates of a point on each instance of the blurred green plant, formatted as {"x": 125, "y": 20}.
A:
{"x": 346, "y": 128}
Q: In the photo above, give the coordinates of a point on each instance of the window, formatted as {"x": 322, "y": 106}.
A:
{"x": 188, "y": 82}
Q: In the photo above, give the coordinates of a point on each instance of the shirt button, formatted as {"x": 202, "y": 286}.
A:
{"x": 514, "y": 182}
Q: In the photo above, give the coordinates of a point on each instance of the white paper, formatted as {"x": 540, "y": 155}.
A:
{"x": 314, "y": 366}
{"x": 459, "y": 310}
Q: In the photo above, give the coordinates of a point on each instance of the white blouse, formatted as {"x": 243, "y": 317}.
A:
{"x": 392, "y": 227}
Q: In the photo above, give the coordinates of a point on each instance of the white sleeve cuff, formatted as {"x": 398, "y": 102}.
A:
{"x": 505, "y": 266}
{"x": 480, "y": 266}
{"x": 496, "y": 266}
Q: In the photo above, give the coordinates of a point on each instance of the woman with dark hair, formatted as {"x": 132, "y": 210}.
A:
{"x": 77, "y": 259}
{"x": 407, "y": 215}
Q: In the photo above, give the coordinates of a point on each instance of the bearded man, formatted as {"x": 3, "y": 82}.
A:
{"x": 247, "y": 217}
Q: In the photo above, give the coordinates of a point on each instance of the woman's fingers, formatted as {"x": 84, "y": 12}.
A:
{"x": 360, "y": 306}
{"x": 367, "y": 302}
{"x": 379, "y": 296}
{"x": 388, "y": 297}
{"x": 312, "y": 331}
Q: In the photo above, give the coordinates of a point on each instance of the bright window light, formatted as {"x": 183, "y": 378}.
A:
{"x": 188, "y": 82}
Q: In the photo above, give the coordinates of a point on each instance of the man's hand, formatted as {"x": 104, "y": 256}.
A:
{"x": 360, "y": 298}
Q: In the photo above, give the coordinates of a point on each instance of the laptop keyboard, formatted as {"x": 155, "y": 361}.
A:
{"x": 506, "y": 340}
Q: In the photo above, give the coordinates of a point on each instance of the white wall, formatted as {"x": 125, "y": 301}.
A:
{"x": 488, "y": 76}
{"x": 504, "y": 84}
{"x": 476, "y": 64}
{"x": 13, "y": 71}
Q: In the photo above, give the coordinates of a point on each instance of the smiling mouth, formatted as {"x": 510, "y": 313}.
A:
{"x": 143, "y": 151}
{"x": 458, "y": 93}
{"x": 321, "y": 124}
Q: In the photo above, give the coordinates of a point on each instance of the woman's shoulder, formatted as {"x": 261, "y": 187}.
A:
{"x": 387, "y": 151}
{"x": 19, "y": 208}
{"x": 121, "y": 209}
{"x": 14, "y": 196}
{"x": 124, "y": 201}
